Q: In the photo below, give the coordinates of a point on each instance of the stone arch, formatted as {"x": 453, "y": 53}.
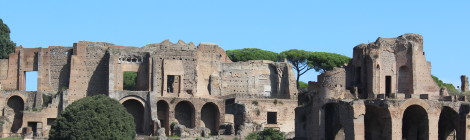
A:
{"x": 185, "y": 114}
{"x": 377, "y": 123}
{"x": 137, "y": 98}
{"x": 415, "y": 123}
{"x": 404, "y": 76}
{"x": 210, "y": 116}
{"x": 163, "y": 111}
{"x": 338, "y": 121}
{"x": 17, "y": 104}
{"x": 136, "y": 108}
{"x": 448, "y": 124}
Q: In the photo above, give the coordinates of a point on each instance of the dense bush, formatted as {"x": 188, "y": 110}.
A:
{"x": 94, "y": 118}
{"x": 6, "y": 45}
{"x": 251, "y": 54}
{"x": 130, "y": 80}
{"x": 266, "y": 134}
{"x": 450, "y": 87}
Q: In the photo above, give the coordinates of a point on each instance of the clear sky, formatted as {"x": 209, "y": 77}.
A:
{"x": 271, "y": 25}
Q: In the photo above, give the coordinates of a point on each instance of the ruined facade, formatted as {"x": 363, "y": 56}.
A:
{"x": 386, "y": 92}
{"x": 197, "y": 87}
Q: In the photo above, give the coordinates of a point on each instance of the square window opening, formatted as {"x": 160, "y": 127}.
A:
{"x": 31, "y": 82}
{"x": 272, "y": 117}
{"x": 173, "y": 83}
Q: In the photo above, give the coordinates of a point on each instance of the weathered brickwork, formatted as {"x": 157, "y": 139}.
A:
{"x": 386, "y": 92}
{"x": 180, "y": 83}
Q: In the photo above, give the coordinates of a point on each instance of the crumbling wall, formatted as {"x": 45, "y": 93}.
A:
{"x": 256, "y": 112}
{"x": 258, "y": 78}
{"x": 210, "y": 57}
{"x": 181, "y": 51}
{"x": 331, "y": 84}
{"x": 89, "y": 70}
{"x": 59, "y": 67}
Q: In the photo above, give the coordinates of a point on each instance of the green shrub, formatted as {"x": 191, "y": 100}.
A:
{"x": 46, "y": 100}
{"x": 130, "y": 80}
{"x": 95, "y": 117}
{"x": 266, "y": 134}
{"x": 254, "y": 102}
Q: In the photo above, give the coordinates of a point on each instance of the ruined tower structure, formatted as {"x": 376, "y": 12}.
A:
{"x": 197, "y": 88}
{"x": 386, "y": 92}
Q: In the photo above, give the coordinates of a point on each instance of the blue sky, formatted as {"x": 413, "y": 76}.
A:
{"x": 271, "y": 25}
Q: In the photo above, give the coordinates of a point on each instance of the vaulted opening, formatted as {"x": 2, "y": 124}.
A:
{"x": 185, "y": 114}
{"x": 448, "y": 124}
{"x": 415, "y": 123}
{"x": 210, "y": 116}
{"x": 377, "y": 123}
{"x": 17, "y": 104}
{"x": 136, "y": 109}
{"x": 163, "y": 111}
{"x": 332, "y": 122}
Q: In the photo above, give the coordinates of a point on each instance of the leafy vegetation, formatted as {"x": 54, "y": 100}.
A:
{"x": 323, "y": 61}
{"x": 6, "y": 45}
{"x": 254, "y": 102}
{"x": 299, "y": 61}
{"x": 251, "y": 54}
{"x": 450, "y": 87}
{"x": 303, "y": 61}
{"x": 95, "y": 117}
{"x": 303, "y": 84}
{"x": 266, "y": 134}
{"x": 130, "y": 80}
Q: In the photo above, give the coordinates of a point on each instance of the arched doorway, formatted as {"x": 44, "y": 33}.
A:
{"x": 210, "y": 116}
{"x": 339, "y": 123}
{"x": 415, "y": 123}
{"x": 184, "y": 114}
{"x": 163, "y": 110}
{"x": 448, "y": 124}
{"x": 136, "y": 109}
{"x": 378, "y": 123}
{"x": 17, "y": 104}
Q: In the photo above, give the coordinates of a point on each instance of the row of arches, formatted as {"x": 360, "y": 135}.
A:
{"x": 339, "y": 123}
{"x": 184, "y": 113}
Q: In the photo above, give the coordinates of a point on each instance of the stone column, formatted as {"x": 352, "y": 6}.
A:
{"x": 433, "y": 125}
{"x": 396, "y": 117}
{"x": 359, "y": 127}
{"x": 464, "y": 86}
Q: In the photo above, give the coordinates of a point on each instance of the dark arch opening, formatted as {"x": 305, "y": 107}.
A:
{"x": 378, "y": 123}
{"x": 415, "y": 123}
{"x": 163, "y": 110}
{"x": 17, "y": 104}
{"x": 184, "y": 114}
{"x": 448, "y": 124}
{"x": 136, "y": 109}
{"x": 338, "y": 121}
{"x": 210, "y": 116}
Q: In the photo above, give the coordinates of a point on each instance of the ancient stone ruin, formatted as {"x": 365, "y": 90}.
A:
{"x": 198, "y": 89}
{"x": 386, "y": 92}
